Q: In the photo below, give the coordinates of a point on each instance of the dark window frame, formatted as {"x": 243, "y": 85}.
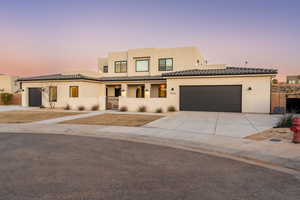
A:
{"x": 121, "y": 61}
{"x": 105, "y": 69}
{"x": 160, "y": 67}
{"x": 70, "y": 91}
{"x": 50, "y": 95}
{"x": 142, "y": 60}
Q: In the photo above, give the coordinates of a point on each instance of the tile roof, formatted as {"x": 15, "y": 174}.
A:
{"x": 57, "y": 77}
{"x": 82, "y": 77}
{"x": 192, "y": 72}
{"x": 225, "y": 71}
{"x": 131, "y": 78}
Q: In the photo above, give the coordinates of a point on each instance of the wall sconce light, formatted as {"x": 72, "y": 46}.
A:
{"x": 172, "y": 89}
{"x": 147, "y": 90}
{"x": 123, "y": 90}
{"x": 249, "y": 88}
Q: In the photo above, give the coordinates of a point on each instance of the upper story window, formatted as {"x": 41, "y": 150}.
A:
{"x": 105, "y": 69}
{"x": 121, "y": 66}
{"x": 165, "y": 64}
{"x": 142, "y": 65}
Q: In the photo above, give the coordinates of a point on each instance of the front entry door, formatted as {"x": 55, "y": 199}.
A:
{"x": 35, "y": 97}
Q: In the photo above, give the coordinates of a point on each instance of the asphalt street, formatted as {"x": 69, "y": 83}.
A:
{"x": 47, "y": 167}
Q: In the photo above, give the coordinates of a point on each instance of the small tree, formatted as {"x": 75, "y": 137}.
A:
{"x": 6, "y": 98}
{"x": 275, "y": 81}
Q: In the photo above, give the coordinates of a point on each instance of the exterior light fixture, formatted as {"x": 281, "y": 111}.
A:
{"x": 249, "y": 88}
{"x": 172, "y": 89}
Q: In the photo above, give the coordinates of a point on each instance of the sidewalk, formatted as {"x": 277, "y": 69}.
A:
{"x": 283, "y": 154}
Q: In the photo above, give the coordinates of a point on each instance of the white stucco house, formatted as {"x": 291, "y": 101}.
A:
{"x": 155, "y": 78}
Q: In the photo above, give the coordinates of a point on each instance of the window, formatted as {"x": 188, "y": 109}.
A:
{"x": 165, "y": 64}
{"x": 74, "y": 91}
{"x": 117, "y": 92}
{"x": 142, "y": 65}
{"x": 140, "y": 92}
{"x": 121, "y": 66}
{"x": 105, "y": 69}
{"x": 52, "y": 94}
{"x": 162, "y": 90}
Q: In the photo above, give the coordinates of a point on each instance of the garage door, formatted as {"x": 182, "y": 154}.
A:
{"x": 211, "y": 98}
{"x": 35, "y": 97}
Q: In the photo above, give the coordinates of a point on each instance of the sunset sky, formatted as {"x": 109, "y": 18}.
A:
{"x": 41, "y": 36}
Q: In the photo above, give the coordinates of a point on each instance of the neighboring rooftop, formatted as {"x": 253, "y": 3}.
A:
{"x": 225, "y": 71}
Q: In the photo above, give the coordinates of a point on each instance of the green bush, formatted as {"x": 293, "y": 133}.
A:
{"x": 285, "y": 121}
{"x": 95, "y": 107}
{"x": 142, "y": 109}
{"x": 123, "y": 109}
{"x": 6, "y": 98}
{"x": 159, "y": 110}
{"x": 81, "y": 108}
{"x": 171, "y": 109}
{"x": 67, "y": 107}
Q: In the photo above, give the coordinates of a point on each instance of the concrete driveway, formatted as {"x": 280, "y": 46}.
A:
{"x": 213, "y": 123}
{"x": 9, "y": 108}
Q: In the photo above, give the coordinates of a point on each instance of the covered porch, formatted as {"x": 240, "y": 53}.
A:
{"x": 134, "y": 93}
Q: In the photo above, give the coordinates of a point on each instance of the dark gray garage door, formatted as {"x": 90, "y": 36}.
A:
{"x": 35, "y": 97}
{"x": 211, "y": 98}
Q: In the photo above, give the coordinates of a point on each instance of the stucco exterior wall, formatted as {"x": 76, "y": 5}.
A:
{"x": 183, "y": 58}
{"x": 89, "y": 94}
{"x": 8, "y": 84}
{"x": 256, "y": 100}
{"x": 151, "y": 104}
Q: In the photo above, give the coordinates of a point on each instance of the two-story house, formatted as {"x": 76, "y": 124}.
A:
{"x": 156, "y": 78}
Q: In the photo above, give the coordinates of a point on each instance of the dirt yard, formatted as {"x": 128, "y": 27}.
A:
{"x": 278, "y": 133}
{"x": 115, "y": 120}
{"x": 31, "y": 116}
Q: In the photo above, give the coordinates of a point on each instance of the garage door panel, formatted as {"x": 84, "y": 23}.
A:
{"x": 211, "y": 98}
{"x": 35, "y": 97}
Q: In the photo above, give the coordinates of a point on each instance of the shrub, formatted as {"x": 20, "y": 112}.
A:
{"x": 159, "y": 110}
{"x": 6, "y": 98}
{"x": 42, "y": 106}
{"x": 171, "y": 109}
{"x": 95, "y": 107}
{"x": 67, "y": 107}
{"x": 142, "y": 109}
{"x": 81, "y": 108}
{"x": 123, "y": 109}
{"x": 285, "y": 121}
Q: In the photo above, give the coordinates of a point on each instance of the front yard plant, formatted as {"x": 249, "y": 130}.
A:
{"x": 123, "y": 109}
{"x": 95, "y": 107}
{"x": 171, "y": 109}
{"x": 67, "y": 107}
{"x": 6, "y": 98}
{"x": 285, "y": 121}
{"x": 142, "y": 109}
{"x": 81, "y": 108}
{"x": 159, "y": 110}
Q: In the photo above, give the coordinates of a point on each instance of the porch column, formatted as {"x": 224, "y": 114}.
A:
{"x": 124, "y": 90}
{"x": 147, "y": 90}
